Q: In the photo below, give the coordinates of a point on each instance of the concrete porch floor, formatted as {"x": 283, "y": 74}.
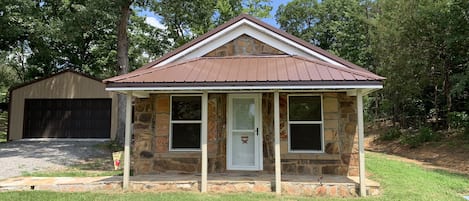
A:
{"x": 304, "y": 185}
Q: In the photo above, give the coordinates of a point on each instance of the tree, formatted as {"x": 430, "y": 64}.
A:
{"x": 122, "y": 63}
{"x": 422, "y": 49}
{"x": 341, "y": 27}
{"x": 188, "y": 19}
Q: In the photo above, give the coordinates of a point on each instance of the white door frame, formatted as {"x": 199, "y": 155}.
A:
{"x": 258, "y": 155}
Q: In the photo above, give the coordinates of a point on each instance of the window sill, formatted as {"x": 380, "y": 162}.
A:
{"x": 179, "y": 154}
{"x": 311, "y": 156}
{"x": 183, "y": 154}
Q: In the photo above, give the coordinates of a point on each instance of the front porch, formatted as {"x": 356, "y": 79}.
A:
{"x": 159, "y": 167}
{"x": 232, "y": 182}
{"x": 258, "y": 182}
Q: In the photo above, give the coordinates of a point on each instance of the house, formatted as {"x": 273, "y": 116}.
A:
{"x": 67, "y": 104}
{"x": 247, "y": 97}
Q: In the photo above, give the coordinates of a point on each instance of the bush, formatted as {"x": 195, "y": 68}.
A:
{"x": 391, "y": 134}
{"x": 424, "y": 134}
{"x": 460, "y": 120}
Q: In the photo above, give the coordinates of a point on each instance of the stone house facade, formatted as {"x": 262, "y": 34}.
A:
{"x": 246, "y": 97}
{"x": 151, "y": 152}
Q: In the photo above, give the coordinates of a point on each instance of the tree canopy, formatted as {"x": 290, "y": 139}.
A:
{"x": 421, "y": 47}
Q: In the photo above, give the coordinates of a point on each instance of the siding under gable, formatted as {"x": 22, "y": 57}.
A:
{"x": 242, "y": 46}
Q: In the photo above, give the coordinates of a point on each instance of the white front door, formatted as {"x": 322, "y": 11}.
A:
{"x": 244, "y": 141}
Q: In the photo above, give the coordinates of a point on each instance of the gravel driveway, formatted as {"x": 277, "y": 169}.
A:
{"x": 29, "y": 156}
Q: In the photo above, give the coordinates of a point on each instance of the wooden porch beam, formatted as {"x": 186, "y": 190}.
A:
{"x": 127, "y": 137}
{"x": 278, "y": 170}
{"x": 361, "y": 149}
{"x": 203, "y": 183}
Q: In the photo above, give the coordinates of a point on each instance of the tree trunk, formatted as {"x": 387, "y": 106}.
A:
{"x": 122, "y": 65}
{"x": 447, "y": 91}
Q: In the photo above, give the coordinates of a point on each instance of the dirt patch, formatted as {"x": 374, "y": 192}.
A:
{"x": 451, "y": 154}
{"x": 18, "y": 157}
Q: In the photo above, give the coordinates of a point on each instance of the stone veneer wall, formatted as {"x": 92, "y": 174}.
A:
{"x": 151, "y": 133}
{"x": 244, "y": 45}
{"x": 340, "y": 138}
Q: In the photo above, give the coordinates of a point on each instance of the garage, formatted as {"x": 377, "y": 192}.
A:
{"x": 67, "y": 105}
{"x": 67, "y": 118}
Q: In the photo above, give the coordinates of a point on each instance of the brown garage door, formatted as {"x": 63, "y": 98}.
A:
{"x": 67, "y": 118}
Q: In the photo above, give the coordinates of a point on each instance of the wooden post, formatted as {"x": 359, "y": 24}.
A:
{"x": 278, "y": 170}
{"x": 127, "y": 137}
{"x": 203, "y": 183}
{"x": 361, "y": 149}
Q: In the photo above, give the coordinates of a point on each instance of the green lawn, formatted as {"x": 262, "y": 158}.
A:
{"x": 399, "y": 181}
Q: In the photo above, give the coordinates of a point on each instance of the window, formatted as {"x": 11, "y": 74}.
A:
{"x": 186, "y": 120}
{"x": 305, "y": 123}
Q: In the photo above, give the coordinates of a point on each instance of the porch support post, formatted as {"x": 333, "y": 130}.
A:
{"x": 128, "y": 134}
{"x": 361, "y": 149}
{"x": 203, "y": 183}
{"x": 278, "y": 170}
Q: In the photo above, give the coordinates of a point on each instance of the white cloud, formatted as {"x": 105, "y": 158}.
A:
{"x": 152, "y": 21}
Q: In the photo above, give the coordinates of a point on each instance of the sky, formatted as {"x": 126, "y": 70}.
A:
{"x": 152, "y": 19}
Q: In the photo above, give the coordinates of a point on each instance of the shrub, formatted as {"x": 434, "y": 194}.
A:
{"x": 460, "y": 120}
{"x": 424, "y": 134}
{"x": 391, "y": 134}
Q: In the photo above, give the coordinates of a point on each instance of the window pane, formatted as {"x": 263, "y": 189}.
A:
{"x": 244, "y": 113}
{"x": 305, "y": 137}
{"x": 186, "y": 108}
{"x": 186, "y": 136}
{"x": 305, "y": 108}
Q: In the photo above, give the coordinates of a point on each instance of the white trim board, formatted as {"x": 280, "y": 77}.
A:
{"x": 254, "y": 30}
{"x": 244, "y": 88}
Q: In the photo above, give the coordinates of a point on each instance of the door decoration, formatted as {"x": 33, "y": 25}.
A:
{"x": 244, "y": 139}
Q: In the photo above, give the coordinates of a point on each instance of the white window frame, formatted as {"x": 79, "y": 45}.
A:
{"x": 171, "y": 122}
{"x": 305, "y": 122}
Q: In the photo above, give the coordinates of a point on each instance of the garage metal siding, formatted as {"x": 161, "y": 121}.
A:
{"x": 67, "y": 118}
{"x": 66, "y": 85}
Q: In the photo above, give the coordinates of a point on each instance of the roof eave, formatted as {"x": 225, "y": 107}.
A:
{"x": 287, "y": 85}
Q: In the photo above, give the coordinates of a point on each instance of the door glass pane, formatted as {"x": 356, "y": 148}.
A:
{"x": 244, "y": 112}
{"x": 243, "y": 149}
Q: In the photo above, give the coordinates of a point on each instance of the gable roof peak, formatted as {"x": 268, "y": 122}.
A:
{"x": 296, "y": 45}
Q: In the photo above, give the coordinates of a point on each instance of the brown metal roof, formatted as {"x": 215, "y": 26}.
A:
{"x": 53, "y": 75}
{"x": 233, "y": 21}
{"x": 255, "y": 70}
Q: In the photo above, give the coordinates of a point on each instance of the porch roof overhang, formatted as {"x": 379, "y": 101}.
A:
{"x": 247, "y": 73}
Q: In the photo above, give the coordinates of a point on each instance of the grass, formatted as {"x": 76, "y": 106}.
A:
{"x": 407, "y": 181}
{"x": 399, "y": 181}
{"x": 3, "y": 126}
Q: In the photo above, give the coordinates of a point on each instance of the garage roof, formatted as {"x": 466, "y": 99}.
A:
{"x": 53, "y": 75}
